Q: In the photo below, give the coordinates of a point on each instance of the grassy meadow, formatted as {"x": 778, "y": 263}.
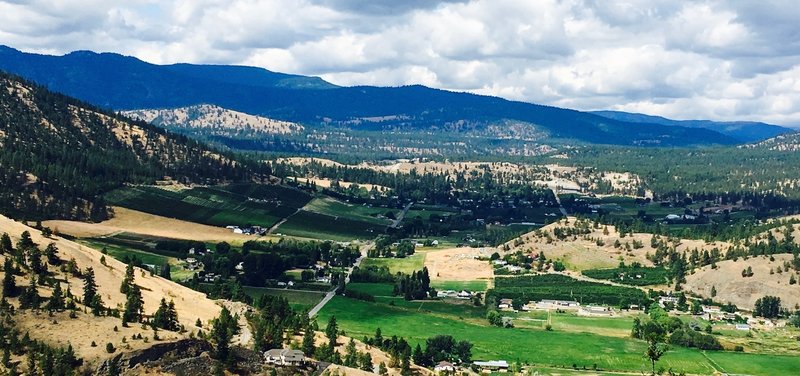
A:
{"x": 298, "y": 299}
{"x": 573, "y": 340}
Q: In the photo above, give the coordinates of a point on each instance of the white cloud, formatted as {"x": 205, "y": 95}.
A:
{"x": 699, "y": 59}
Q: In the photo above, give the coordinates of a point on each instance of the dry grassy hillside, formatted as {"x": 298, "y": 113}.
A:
{"x": 743, "y": 291}
{"x": 580, "y": 252}
{"x": 80, "y": 332}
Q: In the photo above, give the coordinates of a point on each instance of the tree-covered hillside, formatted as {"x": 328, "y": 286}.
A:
{"x": 59, "y": 155}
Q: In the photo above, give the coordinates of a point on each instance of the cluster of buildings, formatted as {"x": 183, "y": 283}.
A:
{"x": 250, "y": 230}
{"x": 564, "y": 305}
{"x": 463, "y": 294}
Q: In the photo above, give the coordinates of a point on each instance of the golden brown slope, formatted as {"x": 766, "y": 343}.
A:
{"x": 190, "y": 305}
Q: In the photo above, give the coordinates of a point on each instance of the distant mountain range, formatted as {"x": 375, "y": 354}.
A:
{"x": 744, "y": 131}
{"x": 126, "y": 83}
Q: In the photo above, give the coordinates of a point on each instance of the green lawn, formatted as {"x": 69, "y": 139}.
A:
{"x": 535, "y": 346}
{"x": 460, "y": 285}
{"x": 298, "y": 299}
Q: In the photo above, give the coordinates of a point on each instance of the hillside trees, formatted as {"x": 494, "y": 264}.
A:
{"x": 166, "y": 317}
{"x": 768, "y": 307}
{"x": 223, "y": 328}
{"x": 60, "y": 155}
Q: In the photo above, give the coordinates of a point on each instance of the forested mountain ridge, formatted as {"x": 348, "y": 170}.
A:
{"x": 126, "y": 83}
{"x": 59, "y": 155}
{"x": 744, "y": 131}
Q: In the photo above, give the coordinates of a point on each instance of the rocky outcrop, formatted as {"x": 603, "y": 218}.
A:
{"x": 162, "y": 353}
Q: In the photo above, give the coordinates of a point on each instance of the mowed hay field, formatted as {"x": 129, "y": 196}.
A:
{"x": 133, "y": 221}
{"x": 540, "y": 347}
{"x": 190, "y": 305}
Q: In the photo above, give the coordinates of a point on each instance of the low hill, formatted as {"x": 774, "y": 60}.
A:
{"x": 59, "y": 155}
{"x": 743, "y": 131}
{"x": 214, "y": 120}
{"x": 785, "y": 142}
{"x": 732, "y": 287}
{"x": 125, "y": 83}
{"x": 220, "y": 126}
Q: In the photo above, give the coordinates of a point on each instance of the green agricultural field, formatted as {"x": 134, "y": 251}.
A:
{"x": 460, "y": 285}
{"x": 119, "y": 252}
{"x": 214, "y": 206}
{"x": 374, "y": 289}
{"x": 538, "y": 347}
{"x": 306, "y": 224}
{"x": 405, "y": 265}
{"x": 332, "y": 207}
{"x": 454, "y": 308}
{"x": 640, "y": 276}
{"x": 556, "y": 286}
{"x": 298, "y": 299}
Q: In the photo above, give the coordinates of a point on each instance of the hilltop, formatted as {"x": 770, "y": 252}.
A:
{"x": 215, "y": 120}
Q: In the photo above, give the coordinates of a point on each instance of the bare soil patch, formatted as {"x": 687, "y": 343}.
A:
{"x": 459, "y": 264}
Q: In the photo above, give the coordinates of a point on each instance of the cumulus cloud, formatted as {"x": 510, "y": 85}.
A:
{"x": 696, "y": 59}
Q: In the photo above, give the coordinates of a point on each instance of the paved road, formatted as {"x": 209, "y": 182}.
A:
{"x": 282, "y": 221}
{"x": 560, "y": 207}
{"x": 401, "y": 215}
{"x": 313, "y": 312}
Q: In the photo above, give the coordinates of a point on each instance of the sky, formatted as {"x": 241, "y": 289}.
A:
{"x": 719, "y": 60}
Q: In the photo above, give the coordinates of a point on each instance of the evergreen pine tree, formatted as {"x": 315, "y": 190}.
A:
{"x": 5, "y": 244}
{"x": 56, "y": 301}
{"x": 332, "y": 332}
{"x": 9, "y": 282}
{"x": 133, "y": 305}
{"x": 89, "y": 287}
{"x": 128, "y": 280}
{"x": 308, "y": 347}
{"x": 30, "y": 297}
